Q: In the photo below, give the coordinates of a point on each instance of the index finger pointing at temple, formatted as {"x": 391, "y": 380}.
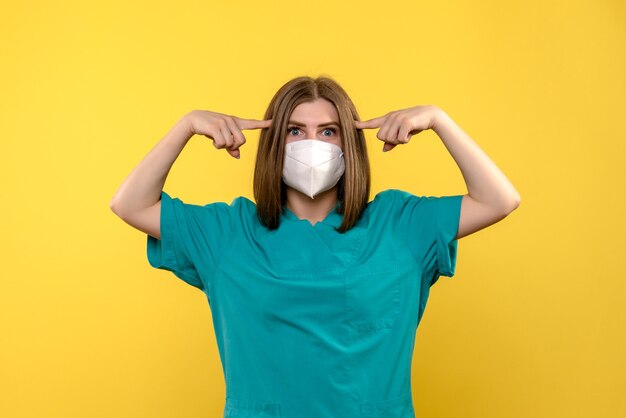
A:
{"x": 253, "y": 123}
{"x": 372, "y": 123}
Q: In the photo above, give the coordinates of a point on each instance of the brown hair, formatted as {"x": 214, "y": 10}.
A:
{"x": 269, "y": 188}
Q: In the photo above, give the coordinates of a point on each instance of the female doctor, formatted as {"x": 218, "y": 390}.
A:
{"x": 315, "y": 292}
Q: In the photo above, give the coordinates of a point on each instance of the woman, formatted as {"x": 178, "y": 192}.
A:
{"x": 315, "y": 292}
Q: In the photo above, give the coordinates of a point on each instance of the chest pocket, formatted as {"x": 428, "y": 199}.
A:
{"x": 373, "y": 296}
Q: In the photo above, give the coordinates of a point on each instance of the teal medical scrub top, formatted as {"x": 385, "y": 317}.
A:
{"x": 309, "y": 322}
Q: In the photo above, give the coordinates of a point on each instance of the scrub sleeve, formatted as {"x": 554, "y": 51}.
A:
{"x": 431, "y": 224}
{"x": 191, "y": 239}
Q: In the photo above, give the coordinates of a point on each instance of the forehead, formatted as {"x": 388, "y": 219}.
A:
{"x": 318, "y": 111}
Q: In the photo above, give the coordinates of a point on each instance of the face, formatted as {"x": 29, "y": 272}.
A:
{"x": 314, "y": 120}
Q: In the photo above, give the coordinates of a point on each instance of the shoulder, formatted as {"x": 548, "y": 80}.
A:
{"x": 400, "y": 206}
{"x": 396, "y": 198}
{"x": 242, "y": 209}
{"x": 385, "y": 204}
{"x": 239, "y": 203}
{"x": 242, "y": 203}
{"x": 217, "y": 211}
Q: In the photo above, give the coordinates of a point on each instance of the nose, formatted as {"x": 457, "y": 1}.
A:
{"x": 311, "y": 133}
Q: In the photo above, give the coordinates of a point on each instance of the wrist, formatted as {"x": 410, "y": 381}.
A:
{"x": 179, "y": 135}
{"x": 185, "y": 125}
{"x": 439, "y": 119}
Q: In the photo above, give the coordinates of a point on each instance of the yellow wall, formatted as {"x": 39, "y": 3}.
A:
{"x": 532, "y": 325}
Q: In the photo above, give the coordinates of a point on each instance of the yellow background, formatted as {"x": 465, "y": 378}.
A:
{"x": 532, "y": 324}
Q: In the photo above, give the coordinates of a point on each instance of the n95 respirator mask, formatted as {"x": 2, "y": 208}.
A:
{"x": 312, "y": 166}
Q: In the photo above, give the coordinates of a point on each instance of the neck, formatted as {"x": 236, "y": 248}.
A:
{"x": 314, "y": 210}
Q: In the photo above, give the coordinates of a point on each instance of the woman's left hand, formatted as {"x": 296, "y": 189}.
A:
{"x": 398, "y": 126}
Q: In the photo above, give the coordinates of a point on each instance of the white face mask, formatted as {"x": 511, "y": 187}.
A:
{"x": 312, "y": 166}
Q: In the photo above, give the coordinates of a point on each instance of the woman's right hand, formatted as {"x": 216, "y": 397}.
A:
{"x": 224, "y": 130}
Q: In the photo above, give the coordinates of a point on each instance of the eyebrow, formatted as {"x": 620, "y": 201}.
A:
{"x": 294, "y": 122}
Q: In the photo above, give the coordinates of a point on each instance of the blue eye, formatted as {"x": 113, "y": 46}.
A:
{"x": 292, "y": 128}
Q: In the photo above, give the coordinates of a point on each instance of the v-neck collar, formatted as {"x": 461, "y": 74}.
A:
{"x": 333, "y": 218}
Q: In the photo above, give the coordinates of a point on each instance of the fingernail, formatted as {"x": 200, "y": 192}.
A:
{"x": 238, "y": 156}
{"x": 384, "y": 150}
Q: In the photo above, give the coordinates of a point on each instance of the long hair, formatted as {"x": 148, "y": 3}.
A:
{"x": 353, "y": 187}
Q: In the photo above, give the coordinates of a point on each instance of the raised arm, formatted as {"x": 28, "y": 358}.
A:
{"x": 138, "y": 200}
{"x": 491, "y": 196}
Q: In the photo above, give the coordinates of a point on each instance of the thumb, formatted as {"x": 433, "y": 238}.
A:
{"x": 234, "y": 152}
{"x": 388, "y": 146}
